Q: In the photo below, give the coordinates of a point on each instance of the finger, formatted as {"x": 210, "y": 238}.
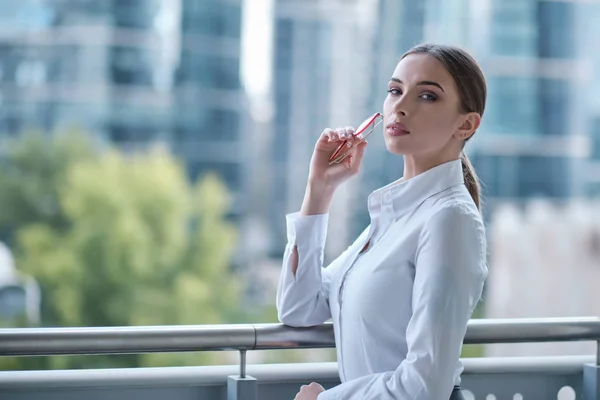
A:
{"x": 358, "y": 156}
{"x": 345, "y": 133}
{"x": 341, "y": 133}
{"x": 326, "y": 135}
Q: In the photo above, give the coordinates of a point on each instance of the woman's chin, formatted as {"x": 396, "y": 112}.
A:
{"x": 396, "y": 148}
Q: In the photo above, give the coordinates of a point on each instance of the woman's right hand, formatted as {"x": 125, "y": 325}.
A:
{"x": 323, "y": 179}
{"x": 325, "y": 175}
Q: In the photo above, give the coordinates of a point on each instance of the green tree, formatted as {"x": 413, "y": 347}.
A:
{"x": 130, "y": 242}
{"x": 32, "y": 174}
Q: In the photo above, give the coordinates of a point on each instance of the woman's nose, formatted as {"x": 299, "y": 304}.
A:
{"x": 401, "y": 106}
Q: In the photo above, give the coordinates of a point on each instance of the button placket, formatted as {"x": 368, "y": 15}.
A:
{"x": 355, "y": 257}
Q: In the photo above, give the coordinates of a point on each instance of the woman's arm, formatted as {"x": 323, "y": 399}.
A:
{"x": 450, "y": 270}
{"x": 303, "y": 291}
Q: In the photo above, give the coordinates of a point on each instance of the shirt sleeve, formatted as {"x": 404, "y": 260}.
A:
{"x": 450, "y": 270}
{"x": 303, "y": 298}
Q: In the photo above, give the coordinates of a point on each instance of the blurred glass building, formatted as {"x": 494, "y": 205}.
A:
{"x": 132, "y": 72}
{"x": 320, "y": 80}
{"x": 539, "y": 137}
{"x": 588, "y": 93}
{"x": 300, "y": 69}
{"x": 209, "y": 103}
{"x": 535, "y": 135}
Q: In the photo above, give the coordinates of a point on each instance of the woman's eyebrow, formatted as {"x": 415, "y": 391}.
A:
{"x": 432, "y": 83}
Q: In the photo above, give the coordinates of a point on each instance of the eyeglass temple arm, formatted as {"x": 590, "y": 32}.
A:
{"x": 341, "y": 157}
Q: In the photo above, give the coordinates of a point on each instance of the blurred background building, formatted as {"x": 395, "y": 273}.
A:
{"x": 322, "y": 67}
{"x": 139, "y": 73}
{"x": 209, "y": 103}
{"x": 536, "y": 139}
{"x": 133, "y": 73}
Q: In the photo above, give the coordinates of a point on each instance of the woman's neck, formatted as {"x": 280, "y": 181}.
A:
{"x": 415, "y": 165}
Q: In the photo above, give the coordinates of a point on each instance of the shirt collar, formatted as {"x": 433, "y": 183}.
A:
{"x": 405, "y": 195}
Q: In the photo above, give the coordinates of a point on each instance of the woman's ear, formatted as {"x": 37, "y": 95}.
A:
{"x": 470, "y": 124}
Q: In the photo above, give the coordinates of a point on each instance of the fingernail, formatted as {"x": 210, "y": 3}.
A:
{"x": 348, "y": 144}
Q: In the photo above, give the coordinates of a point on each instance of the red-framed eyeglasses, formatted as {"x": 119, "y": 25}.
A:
{"x": 362, "y": 132}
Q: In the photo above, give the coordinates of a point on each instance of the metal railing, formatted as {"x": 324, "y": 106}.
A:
{"x": 182, "y": 338}
{"x": 245, "y": 337}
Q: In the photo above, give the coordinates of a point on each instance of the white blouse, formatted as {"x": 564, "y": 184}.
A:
{"x": 399, "y": 309}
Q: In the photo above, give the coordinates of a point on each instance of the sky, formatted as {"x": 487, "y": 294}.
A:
{"x": 257, "y": 47}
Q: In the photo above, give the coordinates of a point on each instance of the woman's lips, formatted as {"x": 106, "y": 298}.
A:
{"x": 397, "y": 129}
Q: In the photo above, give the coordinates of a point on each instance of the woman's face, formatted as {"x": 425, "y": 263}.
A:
{"x": 422, "y": 109}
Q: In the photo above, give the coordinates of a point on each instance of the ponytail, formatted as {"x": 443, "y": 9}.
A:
{"x": 471, "y": 180}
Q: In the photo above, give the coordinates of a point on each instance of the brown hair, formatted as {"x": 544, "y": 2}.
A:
{"x": 472, "y": 90}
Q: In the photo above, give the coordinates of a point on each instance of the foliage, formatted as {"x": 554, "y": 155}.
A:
{"x": 117, "y": 240}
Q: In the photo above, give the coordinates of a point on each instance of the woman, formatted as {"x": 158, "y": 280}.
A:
{"x": 401, "y": 295}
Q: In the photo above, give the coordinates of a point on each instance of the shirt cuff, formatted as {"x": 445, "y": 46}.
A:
{"x": 328, "y": 395}
{"x": 308, "y": 230}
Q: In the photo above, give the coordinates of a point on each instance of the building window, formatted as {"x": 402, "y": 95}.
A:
{"x": 209, "y": 71}
{"x": 230, "y": 173}
{"x": 513, "y": 28}
{"x": 211, "y": 19}
{"x": 31, "y": 73}
{"x": 595, "y": 134}
{"x": 544, "y": 177}
{"x": 135, "y": 13}
{"x": 131, "y": 132}
{"x": 131, "y": 66}
{"x": 513, "y": 106}
{"x": 554, "y": 102}
{"x": 215, "y": 125}
{"x": 556, "y": 29}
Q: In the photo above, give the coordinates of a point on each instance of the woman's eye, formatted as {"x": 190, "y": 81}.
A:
{"x": 428, "y": 97}
{"x": 395, "y": 92}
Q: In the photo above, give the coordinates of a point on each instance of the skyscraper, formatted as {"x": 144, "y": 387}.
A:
{"x": 589, "y": 49}
{"x": 533, "y": 142}
{"x": 321, "y": 72}
{"x": 132, "y": 72}
{"x": 209, "y": 103}
{"x": 537, "y": 57}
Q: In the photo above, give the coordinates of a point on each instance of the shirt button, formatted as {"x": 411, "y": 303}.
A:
{"x": 387, "y": 197}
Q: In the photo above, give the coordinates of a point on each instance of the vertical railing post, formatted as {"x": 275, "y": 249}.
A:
{"x": 591, "y": 378}
{"x": 242, "y": 387}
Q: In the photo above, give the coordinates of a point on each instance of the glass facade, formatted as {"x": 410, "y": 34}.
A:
{"x": 530, "y": 55}
{"x": 212, "y": 18}
{"x": 513, "y": 28}
{"x": 533, "y": 100}
{"x": 301, "y": 89}
{"x": 512, "y": 106}
{"x": 129, "y": 71}
{"x": 592, "y": 54}
{"x": 208, "y": 100}
{"x": 556, "y": 31}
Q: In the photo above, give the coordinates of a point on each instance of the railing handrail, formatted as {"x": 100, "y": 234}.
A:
{"x": 285, "y": 372}
{"x": 150, "y": 339}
